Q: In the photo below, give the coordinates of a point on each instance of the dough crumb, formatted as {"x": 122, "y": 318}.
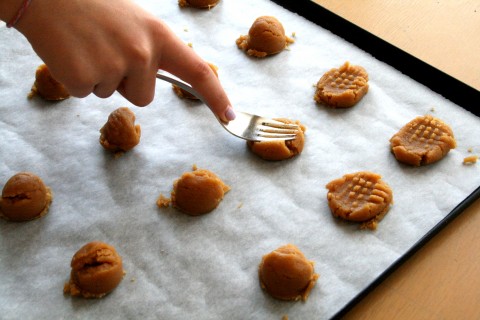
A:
{"x": 163, "y": 202}
{"x": 470, "y": 160}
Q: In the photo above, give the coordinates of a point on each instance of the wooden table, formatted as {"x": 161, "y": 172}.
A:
{"x": 442, "y": 280}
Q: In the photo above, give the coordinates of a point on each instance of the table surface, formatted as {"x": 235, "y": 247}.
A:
{"x": 441, "y": 280}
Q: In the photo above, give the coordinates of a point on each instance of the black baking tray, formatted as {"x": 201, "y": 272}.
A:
{"x": 435, "y": 79}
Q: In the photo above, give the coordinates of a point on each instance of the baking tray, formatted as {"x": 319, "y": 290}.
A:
{"x": 435, "y": 79}
{"x": 112, "y": 199}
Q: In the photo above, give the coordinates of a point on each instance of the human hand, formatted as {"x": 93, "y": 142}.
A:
{"x": 102, "y": 46}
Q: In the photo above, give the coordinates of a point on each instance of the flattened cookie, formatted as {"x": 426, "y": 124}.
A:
{"x": 278, "y": 149}
{"x": 360, "y": 197}
{"x": 342, "y": 87}
{"x": 422, "y": 141}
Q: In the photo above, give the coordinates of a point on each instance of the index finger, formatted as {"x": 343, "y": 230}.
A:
{"x": 180, "y": 60}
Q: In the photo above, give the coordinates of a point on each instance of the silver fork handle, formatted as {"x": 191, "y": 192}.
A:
{"x": 182, "y": 84}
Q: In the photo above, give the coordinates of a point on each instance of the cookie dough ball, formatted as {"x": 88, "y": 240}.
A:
{"x": 198, "y": 192}
{"x": 25, "y": 197}
{"x": 361, "y": 197}
{"x": 422, "y": 141}
{"x": 120, "y": 132}
{"x": 47, "y": 87}
{"x": 96, "y": 270}
{"x": 187, "y": 95}
{"x": 278, "y": 149}
{"x": 265, "y": 37}
{"x": 286, "y": 274}
{"x": 201, "y": 4}
{"x": 342, "y": 87}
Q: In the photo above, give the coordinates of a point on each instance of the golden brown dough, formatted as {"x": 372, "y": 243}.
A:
{"x": 187, "y": 95}
{"x": 25, "y": 197}
{"x": 201, "y": 4}
{"x": 47, "y": 87}
{"x": 120, "y": 132}
{"x": 362, "y": 197}
{"x": 422, "y": 141}
{"x": 198, "y": 192}
{"x": 470, "y": 160}
{"x": 286, "y": 274}
{"x": 265, "y": 37}
{"x": 96, "y": 270}
{"x": 277, "y": 149}
{"x": 342, "y": 87}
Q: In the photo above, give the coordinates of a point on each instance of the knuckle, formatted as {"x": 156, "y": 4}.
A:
{"x": 202, "y": 70}
{"x": 141, "y": 55}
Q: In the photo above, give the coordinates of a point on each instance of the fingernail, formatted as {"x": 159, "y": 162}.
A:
{"x": 230, "y": 114}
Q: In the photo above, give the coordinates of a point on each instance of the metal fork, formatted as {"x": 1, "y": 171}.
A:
{"x": 246, "y": 126}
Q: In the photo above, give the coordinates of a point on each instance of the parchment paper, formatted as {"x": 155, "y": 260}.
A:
{"x": 181, "y": 267}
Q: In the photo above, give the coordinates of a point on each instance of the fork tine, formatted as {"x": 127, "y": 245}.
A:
{"x": 278, "y": 124}
{"x": 273, "y": 136}
{"x": 276, "y": 130}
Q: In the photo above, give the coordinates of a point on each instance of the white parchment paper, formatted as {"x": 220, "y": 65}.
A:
{"x": 181, "y": 267}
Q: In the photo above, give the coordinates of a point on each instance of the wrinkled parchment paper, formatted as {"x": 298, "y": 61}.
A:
{"x": 181, "y": 267}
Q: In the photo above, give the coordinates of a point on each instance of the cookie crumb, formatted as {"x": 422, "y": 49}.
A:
{"x": 163, "y": 202}
{"x": 470, "y": 160}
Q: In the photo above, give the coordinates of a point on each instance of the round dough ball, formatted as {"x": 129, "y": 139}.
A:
{"x": 25, "y": 197}
{"x": 279, "y": 149}
{"x": 286, "y": 274}
{"x": 265, "y": 37}
{"x": 201, "y": 4}
{"x": 120, "y": 132}
{"x": 198, "y": 192}
{"x": 47, "y": 87}
{"x": 96, "y": 270}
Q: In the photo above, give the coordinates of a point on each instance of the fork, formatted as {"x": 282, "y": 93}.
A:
{"x": 245, "y": 126}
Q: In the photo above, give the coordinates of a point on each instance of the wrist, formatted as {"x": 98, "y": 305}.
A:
{"x": 18, "y": 14}
{"x": 8, "y": 9}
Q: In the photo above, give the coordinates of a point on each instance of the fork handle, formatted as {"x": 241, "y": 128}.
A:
{"x": 163, "y": 75}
